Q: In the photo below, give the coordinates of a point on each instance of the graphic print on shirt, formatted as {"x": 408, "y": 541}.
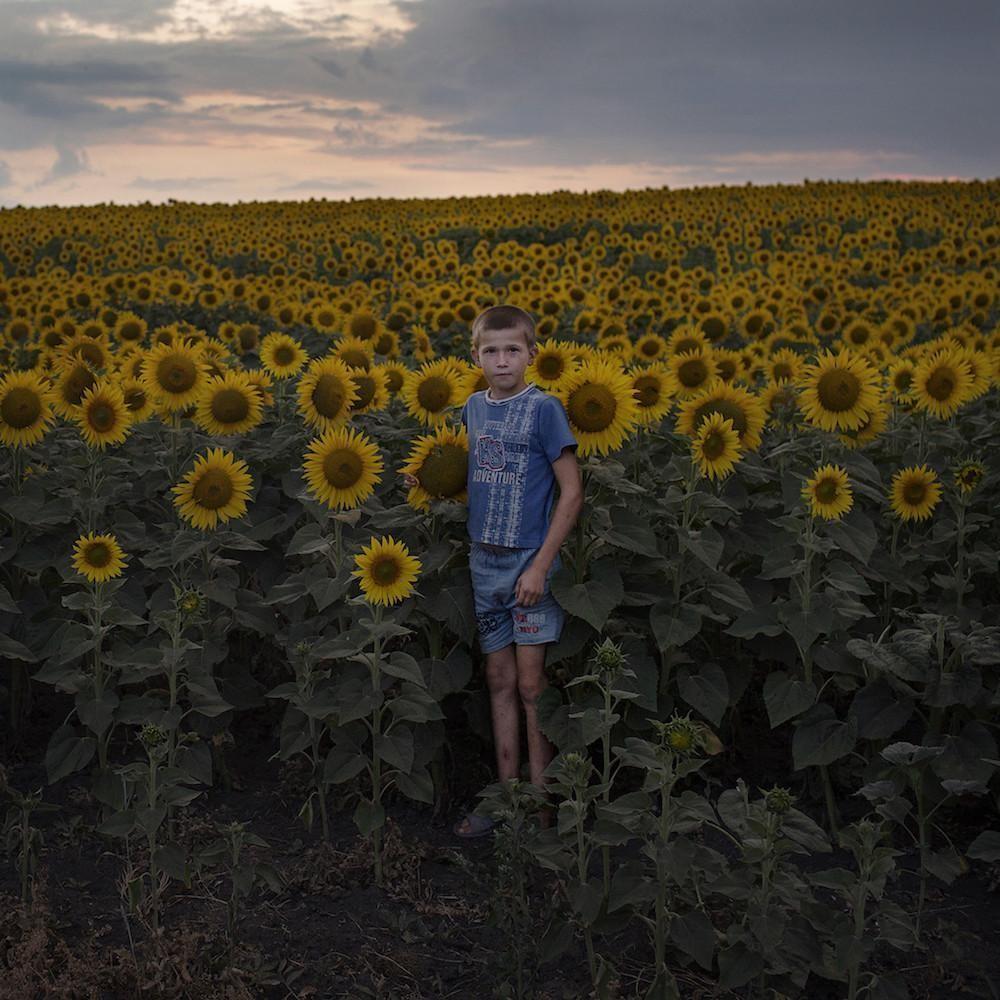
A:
{"x": 502, "y": 453}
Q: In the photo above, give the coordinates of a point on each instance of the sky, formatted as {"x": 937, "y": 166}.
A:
{"x": 238, "y": 100}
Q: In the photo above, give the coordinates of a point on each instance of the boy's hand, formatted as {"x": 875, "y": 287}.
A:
{"x": 410, "y": 481}
{"x": 530, "y": 586}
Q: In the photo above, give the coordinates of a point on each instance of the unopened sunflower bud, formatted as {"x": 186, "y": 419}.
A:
{"x": 779, "y": 801}
{"x": 189, "y": 602}
{"x": 608, "y": 657}
{"x": 152, "y": 736}
{"x": 682, "y": 735}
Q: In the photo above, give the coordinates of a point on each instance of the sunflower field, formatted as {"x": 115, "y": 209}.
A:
{"x": 775, "y": 698}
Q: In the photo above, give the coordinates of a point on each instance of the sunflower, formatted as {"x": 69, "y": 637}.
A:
{"x": 980, "y": 369}
{"x": 261, "y": 382}
{"x": 914, "y": 492}
{"x": 649, "y": 348}
{"x": 325, "y": 393}
{"x": 740, "y": 406}
{"x": 214, "y": 491}
{"x": 686, "y": 339}
{"x": 874, "y": 423}
{"x": 98, "y": 557}
{"x": 423, "y": 349}
{"x": 174, "y": 375}
{"x": 440, "y": 463}
{"x": 727, "y": 364}
{"x": 601, "y": 407}
{"x": 342, "y": 468}
{"x": 72, "y": 380}
{"x": 780, "y": 400}
{"x": 651, "y": 387}
{"x": 229, "y": 405}
{"x": 103, "y": 416}
{"x": 784, "y": 365}
{"x": 431, "y": 390}
{"x": 355, "y": 353}
{"x": 714, "y": 326}
{"x": 372, "y": 390}
{"x": 395, "y": 375}
{"x": 691, "y": 371}
{"x": 80, "y": 347}
{"x": 136, "y": 399}
{"x": 839, "y": 391}
{"x": 716, "y": 447}
{"x": 25, "y": 409}
{"x": 129, "y": 328}
{"x": 363, "y": 325}
{"x": 282, "y": 355}
{"x": 385, "y": 344}
{"x": 386, "y": 571}
{"x": 900, "y": 378}
{"x": 549, "y": 366}
{"x": 942, "y": 383}
{"x": 969, "y": 475}
{"x": 829, "y": 493}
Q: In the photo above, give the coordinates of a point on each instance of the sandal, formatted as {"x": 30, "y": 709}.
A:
{"x": 474, "y": 826}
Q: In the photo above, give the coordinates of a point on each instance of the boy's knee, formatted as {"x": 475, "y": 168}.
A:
{"x": 501, "y": 675}
{"x": 529, "y": 688}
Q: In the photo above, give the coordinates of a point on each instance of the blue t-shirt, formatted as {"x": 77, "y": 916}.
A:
{"x": 512, "y": 445}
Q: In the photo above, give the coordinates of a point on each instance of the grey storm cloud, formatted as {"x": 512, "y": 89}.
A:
{"x": 5, "y": 174}
{"x": 69, "y": 162}
{"x": 727, "y": 88}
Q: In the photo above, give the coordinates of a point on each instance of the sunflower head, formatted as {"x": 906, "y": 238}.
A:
{"x": 25, "y": 409}
{"x": 914, "y": 493}
{"x": 342, "y": 468}
{"x": 432, "y": 390}
{"x": 326, "y": 393}
{"x": 228, "y": 405}
{"x": 440, "y": 463}
{"x": 716, "y": 447}
{"x": 386, "y": 571}
{"x": 103, "y": 416}
{"x": 839, "y": 391}
{"x": 174, "y": 374}
{"x": 282, "y": 355}
{"x": 214, "y": 491}
{"x": 98, "y": 557}
{"x": 601, "y": 407}
{"x": 968, "y": 476}
{"x": 828, "y": 493}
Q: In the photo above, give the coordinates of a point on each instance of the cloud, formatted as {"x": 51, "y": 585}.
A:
{"x": 707, "y": 91}
{"x": 175, "y": 184}
{"x": 322, "y": 184}
{"x": 69, "y": 162}
{"x": 5, "y": 174}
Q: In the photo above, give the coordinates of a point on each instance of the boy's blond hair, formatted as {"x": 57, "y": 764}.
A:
{"x": 504, "y": 318}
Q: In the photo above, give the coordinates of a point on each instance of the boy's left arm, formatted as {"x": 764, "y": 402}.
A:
{"x": 531, "y": 583}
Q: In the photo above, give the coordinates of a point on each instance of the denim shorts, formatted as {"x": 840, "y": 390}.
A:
{"x": 499, "y": 620}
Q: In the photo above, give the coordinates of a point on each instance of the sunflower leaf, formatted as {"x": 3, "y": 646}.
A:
{"x": 596, "y": 598}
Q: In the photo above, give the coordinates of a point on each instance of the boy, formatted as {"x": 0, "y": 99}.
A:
{"x": 520, "y": 446}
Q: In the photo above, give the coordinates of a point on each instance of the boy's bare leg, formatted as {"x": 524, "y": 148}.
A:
{"x": 502, "y": 682}
{"x": 531, "y": 682}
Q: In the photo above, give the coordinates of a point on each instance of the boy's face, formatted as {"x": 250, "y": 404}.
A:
{"x": 504, "y": 356}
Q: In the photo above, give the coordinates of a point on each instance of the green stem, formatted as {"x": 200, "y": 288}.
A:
{"x": 660, "y": 929}
{"x": 154, "y": 889}
{"x": 376, "y": 679}
{"x": 98, "y": 621}
{"x": 581, "y": 868}
{"x": 960, "y": 558}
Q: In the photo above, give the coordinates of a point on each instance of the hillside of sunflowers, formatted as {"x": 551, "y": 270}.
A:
{"x": 241, "y": 696}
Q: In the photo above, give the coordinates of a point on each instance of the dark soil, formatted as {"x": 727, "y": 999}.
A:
{"x": 331, "y": 932}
